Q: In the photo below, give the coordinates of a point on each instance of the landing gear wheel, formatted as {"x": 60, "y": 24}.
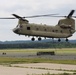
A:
{"x": 59, "y": 40}
{"x": 39, "y": 39}
{"x": 67, "y": 40}
{"x": 33, "y": 39}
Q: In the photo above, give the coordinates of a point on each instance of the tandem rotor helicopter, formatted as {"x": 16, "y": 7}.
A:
{"x": 64, "y": 29}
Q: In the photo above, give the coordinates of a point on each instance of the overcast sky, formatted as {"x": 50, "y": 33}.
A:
{"x": 28, "y": 8}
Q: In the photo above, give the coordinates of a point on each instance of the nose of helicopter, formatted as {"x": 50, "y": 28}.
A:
{"x": 16, "y": 30}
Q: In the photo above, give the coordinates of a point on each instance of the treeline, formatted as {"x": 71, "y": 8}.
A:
{"x": 37, "y": 45}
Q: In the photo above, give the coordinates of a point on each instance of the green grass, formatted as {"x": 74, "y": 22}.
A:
{"x": 58, "y": 74}
{"x": 37, "y": 60}
{"x": 58, "y": 51}
{"x": 34, "y": 60}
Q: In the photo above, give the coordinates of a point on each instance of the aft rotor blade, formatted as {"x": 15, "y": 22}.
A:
{"x": 71, "y": 13}
{"x": 69, "y": 16}
{"x": 74, "y": 16}
{"x": 64, "y": 16}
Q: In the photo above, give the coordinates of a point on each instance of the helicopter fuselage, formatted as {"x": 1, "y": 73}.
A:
{"x": 64, "y": 29}
{"x": 40, "y": 30}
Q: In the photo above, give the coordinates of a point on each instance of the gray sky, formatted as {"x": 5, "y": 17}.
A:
{"x": 31, "y": 7}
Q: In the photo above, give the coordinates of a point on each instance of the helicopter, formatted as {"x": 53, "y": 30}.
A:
{"x": 64, "y": 29}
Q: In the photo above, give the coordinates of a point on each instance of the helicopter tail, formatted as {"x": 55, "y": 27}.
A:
{"x": 68, "y": 22}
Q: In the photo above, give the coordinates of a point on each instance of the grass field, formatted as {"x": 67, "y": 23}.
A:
{"x": 58, "y": 51}
{"x": 37, "y": 60}
{"x": 58, "y": 74}
{"x": 5, "y": 60}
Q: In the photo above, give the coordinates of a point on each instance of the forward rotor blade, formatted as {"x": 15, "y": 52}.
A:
{"x": 17, "y": 16}
{"x": 8, "y": 18}
{"x": 39, "y": 16}
{"x": 46, "y": 15}
{"x": 58, "y": 16}
{"x": 23, "y": 18}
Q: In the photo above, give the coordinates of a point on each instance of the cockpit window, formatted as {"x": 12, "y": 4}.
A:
{"x": 59, "y": 23}
{"x": 19, "y": 26}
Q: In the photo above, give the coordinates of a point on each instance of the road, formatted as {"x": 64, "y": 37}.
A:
{"x": 35, "y": 69}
